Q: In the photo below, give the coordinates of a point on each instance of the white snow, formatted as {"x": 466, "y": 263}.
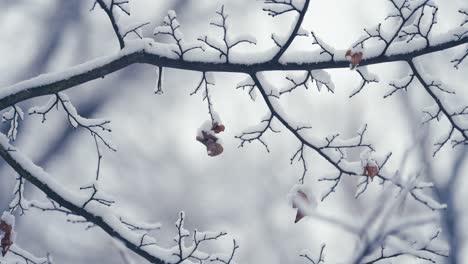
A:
{"x": 323, "y": 78}
{"x": 13, "y": 115}
{"x": 8, "y": 218}
{"x": 428, "y": 200}
{"x": 79, "y": 198}
{"x": 42, "y": 109}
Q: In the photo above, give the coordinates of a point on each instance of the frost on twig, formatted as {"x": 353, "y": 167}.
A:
{"x": 366, "y": 78}
{"x": 382, "y": 225}
{"x": 401, "y": 84}
{"x": 19, "y": 202}
{"x": 412, "y": 24}
{"x": 135, "y": 29}
{"x": 319, "y": 77}
{"x": 429, "y": 250}
{"x": 463, "y": 33}
{"x": 324, "y": 48}
{"x": 410, "y": 36}
{"x": 299, "y": 156}
{"x": 19, "y": 254}
{"x": 249, "y": 85}
{"x": 171, "y": 28}
{"x": 96, "y": 195}
{"x": 94, "y": 126}
{"x": 192, "y": 252}
{"x": 333, "y": 148}
{"x": 422, "y": 26}
{"x": 280, "y": 7}
{"x": 113, "y": 10}
{"x": 315, "y": 260}
{"x": 99, "y": 214}
{"x": 226, "y": 259}
{"x": 13, "y": 116}
{"x": 257, "y": 133}
{"x": 203, "y": 86}
{"x": 458, "y": 129}
{"x": 224, "y": 47}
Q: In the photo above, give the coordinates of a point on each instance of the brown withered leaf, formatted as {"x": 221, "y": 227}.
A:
{"x": 354, "y": 57}
{"x": 218, "y": 128}
{"x": 303, "y": 200}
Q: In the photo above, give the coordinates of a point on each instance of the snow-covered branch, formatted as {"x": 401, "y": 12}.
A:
{"x": 111, "y": 7}
{"x": 150, "y": 52}
{"x": 97, "y": 213}
{"x": 458, "y": 132}
{"x": 331, "y": 150}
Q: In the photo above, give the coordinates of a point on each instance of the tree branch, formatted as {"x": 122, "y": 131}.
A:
{"x": 145, "y": 53}
{"x": 293, "y": 34}
{"x": 97, "y": 214}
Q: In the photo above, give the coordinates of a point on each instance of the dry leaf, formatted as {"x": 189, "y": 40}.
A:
{"x": 218, "y": 128}
{"x": 213, "y": 147}
{"x": 354, "y": 57}
{"x": 371, "y": 171}
{"x": 6, "y": 242}
{"x": 299, "y": 202}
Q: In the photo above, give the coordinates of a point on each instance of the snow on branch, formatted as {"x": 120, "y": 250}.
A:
{"x": 205, "y": 81}
{"x": 101, "y": 214}
{"x": 18, "y": 201}
{"x": 192, "y": 252}
{"x": 161, "y": 55}
{"x": 12, "y": 116}
{"x": 111, "y": 8}
{"x": 281, "y": 7}
{"x": 366, "y": 78}
{"x": 135, "y": 29}
{"x": 324, "y": 48}
{"x": 395, "y": 247}
{"x": 94, "y": 126}
{"x": 421, "y": 28}
{"x": 257, "y": 133}
{"x": 226, "y": 259}
{"x": 412, "y": 37}
{"x": 382, "y": 227}
{"x": 461, "y": 34}
{"x": 458, "y": 131}
{"x": 332, "y": 149}
{"x": 320, "y": 259}
{"x": 299, "y": 155}
{"x": 28, "y": 258}
{"x": 401, "y": 84}
{"x": 248, "y": 84}
{"x": 404, "y": 13}
{"x": 320, "y": 77}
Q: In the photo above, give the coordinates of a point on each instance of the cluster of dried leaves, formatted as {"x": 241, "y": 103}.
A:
{"x": 7, "y": 239}
{"x": 210, "y": 140}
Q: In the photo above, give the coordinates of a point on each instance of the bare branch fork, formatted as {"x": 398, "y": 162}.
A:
{"x": 94, "y": 126}
{"x": 227, "y": 41}
{"x": 321, "y": 257}
{"x": 97, "y": 213}
{"x": 443, "y": 109}
{"x": 205, "y": 81}
{"x": 109, "y": 10}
